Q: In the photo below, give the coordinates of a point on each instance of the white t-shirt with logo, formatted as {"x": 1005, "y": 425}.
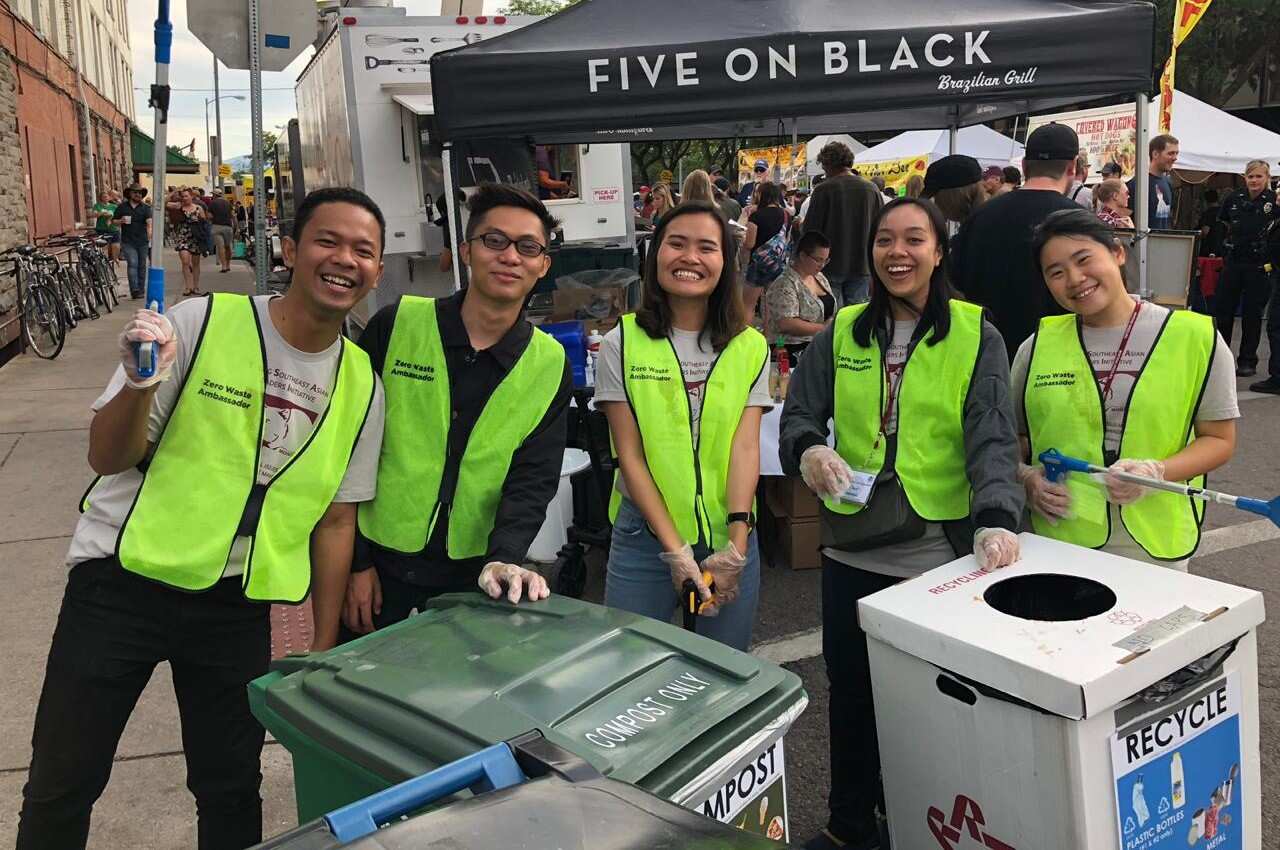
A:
{"x": 1218, "y": 403}
{"x": 297, "y": 393}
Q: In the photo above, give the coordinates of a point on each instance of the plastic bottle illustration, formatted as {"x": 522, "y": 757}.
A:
{"x": 1179, "y": 786}
{"x": 1140, "y": 803}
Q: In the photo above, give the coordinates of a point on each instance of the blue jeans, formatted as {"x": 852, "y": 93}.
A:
{"x": 136, "y": 258}
{"x": 638, "y": 581}
{"x": 853, "y": 290}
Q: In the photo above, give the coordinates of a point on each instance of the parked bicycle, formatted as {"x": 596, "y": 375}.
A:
{"x": 41, "y": 309}
{"x": 91, "y": 267}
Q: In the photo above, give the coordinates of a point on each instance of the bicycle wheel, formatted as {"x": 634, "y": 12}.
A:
{"x": 83, "y": 292}
{"x": 42, "y": 322}
{"x": 57, "y": 288}
{"x": 107, "y": 277}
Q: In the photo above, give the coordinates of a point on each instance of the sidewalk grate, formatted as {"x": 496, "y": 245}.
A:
{"x": 291, "y": 629}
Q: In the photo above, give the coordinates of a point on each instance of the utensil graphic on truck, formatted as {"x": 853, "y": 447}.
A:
{"x": 469, "y": 38}
{"x": 384, "y": 40}
{"x": 372, "y": 62}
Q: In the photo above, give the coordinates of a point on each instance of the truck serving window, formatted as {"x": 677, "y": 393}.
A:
{"x": 558, "y": 170}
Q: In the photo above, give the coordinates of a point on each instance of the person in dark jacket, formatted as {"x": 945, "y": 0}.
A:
{"x": 841, "y": 209}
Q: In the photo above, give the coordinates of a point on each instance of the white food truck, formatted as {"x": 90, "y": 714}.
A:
{"x": 365, "y": 120}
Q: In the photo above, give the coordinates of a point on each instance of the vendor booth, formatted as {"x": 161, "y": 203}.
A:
{"x": 910, "y": 153}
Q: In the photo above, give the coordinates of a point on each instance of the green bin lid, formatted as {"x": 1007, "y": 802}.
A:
{"x": 643, "y": 701}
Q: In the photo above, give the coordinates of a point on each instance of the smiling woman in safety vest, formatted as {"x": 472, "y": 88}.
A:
{"x": 684, "y": 383}
{"x": 1124, "y": 384}
{"x": 917, "y": 383}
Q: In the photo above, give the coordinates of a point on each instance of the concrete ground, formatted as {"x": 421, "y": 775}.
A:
{"x": 44, "y": 417}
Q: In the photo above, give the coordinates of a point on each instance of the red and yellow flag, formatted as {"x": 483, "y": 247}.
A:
{"x": 1185, "y": 17}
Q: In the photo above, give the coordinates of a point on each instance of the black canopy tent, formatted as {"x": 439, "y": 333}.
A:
{"x": 621, "y": 70}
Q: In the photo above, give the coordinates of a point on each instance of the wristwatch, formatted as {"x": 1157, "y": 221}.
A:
{"x": 742, "y": 516}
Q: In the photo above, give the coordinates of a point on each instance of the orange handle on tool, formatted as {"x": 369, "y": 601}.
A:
{"x": 689, "y": 604}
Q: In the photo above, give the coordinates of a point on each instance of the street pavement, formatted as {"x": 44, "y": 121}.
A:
{"x": 44, "y": 419}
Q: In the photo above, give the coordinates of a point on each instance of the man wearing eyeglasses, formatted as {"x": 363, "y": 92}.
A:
{"x": 477, "y": 403}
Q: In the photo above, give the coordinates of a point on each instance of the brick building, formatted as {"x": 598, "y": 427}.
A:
{"x": 66, "y": 103}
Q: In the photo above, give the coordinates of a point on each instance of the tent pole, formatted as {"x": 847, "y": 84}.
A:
{"x": 1141, "y": 186}
{"x": 795, "y": 140}
{"x": 953, "y": 130}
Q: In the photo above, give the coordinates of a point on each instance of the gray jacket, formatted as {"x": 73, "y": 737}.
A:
{"x": 990, "y": 430}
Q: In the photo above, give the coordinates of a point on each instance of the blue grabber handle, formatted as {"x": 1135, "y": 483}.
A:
{"x": 490, "y": 769}
{"x": 1057, "y": 465}
{"x": 155, "y": 301}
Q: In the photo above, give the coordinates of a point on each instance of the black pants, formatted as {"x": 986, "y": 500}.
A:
{"x": 114, "y": 627}
{"x": 1247, "y": 282}
{"x": 399, "y": 598}
{"x": 856, "y": 791}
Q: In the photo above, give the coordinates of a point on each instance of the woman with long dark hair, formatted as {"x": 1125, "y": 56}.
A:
{"x": 924, "y": 468}
{"x": 684, "y": 384}
{"x": 1124, "y": 384}
{"x": 765, "y": 244}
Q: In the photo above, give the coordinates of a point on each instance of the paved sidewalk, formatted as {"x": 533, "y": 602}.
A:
{"x": 44, "y": 421}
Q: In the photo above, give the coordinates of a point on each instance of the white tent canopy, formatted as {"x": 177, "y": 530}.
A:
{"x": 1212, "y": 140}
{"x": 817, "y": 143}
{"x": 979, "y": 141}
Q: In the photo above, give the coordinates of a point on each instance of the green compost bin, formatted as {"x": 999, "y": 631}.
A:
{"x": 676, "y": 714}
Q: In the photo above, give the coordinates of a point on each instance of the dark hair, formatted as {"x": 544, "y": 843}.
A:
{"x": 490, "y": 196}
{"x": 1080, "y": 224}
{"x": 724, "y": 309}
{"x": 1012, "y": 175}
{"x": 811, "y": 241}
{"x": 835, "y": 156}
{"x": 1054, "y": 169}
{"x": 338, "y": 195}
{"x": 877, "y": 318}
{"x": 1159, "y": 143}
{"x": 770, "y": 194}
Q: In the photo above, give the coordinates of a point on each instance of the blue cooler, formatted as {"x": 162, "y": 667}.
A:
{"x": 527, "y": 792}
{"x": 571, "y": 336}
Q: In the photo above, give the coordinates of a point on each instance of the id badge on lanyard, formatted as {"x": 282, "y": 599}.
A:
{"x": 864, "y": 481}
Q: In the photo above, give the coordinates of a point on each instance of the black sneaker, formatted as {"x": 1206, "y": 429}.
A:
{"x": 1270, "y": 385}
{"x": 1246, "y": 371}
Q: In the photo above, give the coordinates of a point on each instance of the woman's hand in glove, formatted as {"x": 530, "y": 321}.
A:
{"x": 147, "y": 326}
{"x": 1050, "y": 499}
{"x": 1125, "y": 492}
{"x": 684, "y": 568}
{"x": 725, "y": 567}
{"x": 995, "y": 548}
{"x": 826, "y": 473}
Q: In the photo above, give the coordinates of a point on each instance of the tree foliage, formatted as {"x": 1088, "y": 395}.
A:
{"x": 535, "y": 7}
{"x": 1224, "y": 52}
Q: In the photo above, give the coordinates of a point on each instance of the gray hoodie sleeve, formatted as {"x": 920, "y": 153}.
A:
{"x": 810, "y": 402}
{"x": 991, "y": 438}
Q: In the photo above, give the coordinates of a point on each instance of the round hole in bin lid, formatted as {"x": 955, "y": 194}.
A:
{"x": 1050, "y": 596}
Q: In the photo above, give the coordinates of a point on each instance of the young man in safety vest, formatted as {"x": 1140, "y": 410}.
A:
{"x": 477, "y": 401}
{"x": 228, "y": 480}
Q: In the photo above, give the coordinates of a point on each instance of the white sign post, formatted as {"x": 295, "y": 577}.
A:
{"x": 255, "y": 36}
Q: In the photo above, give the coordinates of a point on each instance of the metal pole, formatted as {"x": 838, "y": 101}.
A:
{"x": 208, "y": 144}
{"x": 217, "y": 126}
{"x": 159, "y": 101}
{"x": 1141, "y": 187}
{"x": 260, "y": 252}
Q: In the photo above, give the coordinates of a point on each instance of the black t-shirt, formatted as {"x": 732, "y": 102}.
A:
{"x": 991, "y": 261}
{"x": 1211, "y": 242}
{"x": 135, "y": 232}
{"x": 219, "y": 211}
{"x": 768, "y": 221}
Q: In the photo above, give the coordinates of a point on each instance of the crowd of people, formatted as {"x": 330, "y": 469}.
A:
{"x": 946, "y": 337}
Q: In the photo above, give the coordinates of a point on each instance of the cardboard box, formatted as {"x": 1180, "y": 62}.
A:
{"x": 569, "y": 304}
{"x": 790, "y": 497}
{"x": 798, "y": 543}
{"x": 1009, "y": 708}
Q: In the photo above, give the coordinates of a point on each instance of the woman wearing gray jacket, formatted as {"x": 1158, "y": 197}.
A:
{"x": 924, "y": 468}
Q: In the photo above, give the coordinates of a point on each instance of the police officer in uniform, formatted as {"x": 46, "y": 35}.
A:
{"x": 1248, "y": 214}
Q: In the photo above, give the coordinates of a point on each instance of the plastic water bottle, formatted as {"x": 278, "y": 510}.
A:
{"x": 593, "y": 354}
{"x": 1178, "y": 781}
{"x": 1140, "y": 803}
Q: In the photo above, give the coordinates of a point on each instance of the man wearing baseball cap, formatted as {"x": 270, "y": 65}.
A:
{"x": 992, "y": 180}
{"x": 991, "y": 259}
{"x": 760, "y": 174}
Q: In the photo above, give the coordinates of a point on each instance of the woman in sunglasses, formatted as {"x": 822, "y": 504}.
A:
{"x": 683, "y": 383}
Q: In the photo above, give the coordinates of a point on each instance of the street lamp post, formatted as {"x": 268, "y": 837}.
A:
{"x": 208, "y": 141}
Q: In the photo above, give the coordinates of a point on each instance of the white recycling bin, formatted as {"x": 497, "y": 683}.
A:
{"x": 1057, "y": 704}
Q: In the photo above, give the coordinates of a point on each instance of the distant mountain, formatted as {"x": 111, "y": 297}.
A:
{"x": 240, "y": 163}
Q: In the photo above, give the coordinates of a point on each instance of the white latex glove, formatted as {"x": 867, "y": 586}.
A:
{"x": 683, "y": 567}
{"x": 826, "y": 473}
{"x": 725, "y": 567}
{"x": 517, "y": 580}
{"x": 1126, "y": 493}
{"x": 1050, "y": 499}
{"x": 995, "y": 548}
{"x": 147, "y": 326}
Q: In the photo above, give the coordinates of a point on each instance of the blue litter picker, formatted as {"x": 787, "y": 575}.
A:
{"x": 159, "y": 101}
{"x": 525, "y": 792}
{"x": 1057, "y": 465}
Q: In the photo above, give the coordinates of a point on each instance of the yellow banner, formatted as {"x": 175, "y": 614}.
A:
{"x": 786, "y": 164}
{"x": 896, "y": 172}
{"x": 1185, "y": 17}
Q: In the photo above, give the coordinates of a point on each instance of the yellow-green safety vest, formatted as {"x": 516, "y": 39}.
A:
{"x": 935, "y": 381}
{"x": 1064, "y": 411}
{"x": 200, "y": 490}
{"x": 693, "y": 477}
{"x": 415, "y": 441}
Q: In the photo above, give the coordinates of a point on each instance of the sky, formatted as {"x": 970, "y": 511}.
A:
{"x": 191, "y": 81}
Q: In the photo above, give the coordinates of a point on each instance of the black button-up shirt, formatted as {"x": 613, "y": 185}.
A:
{"x": 1249, "y": 221}
{"x": 535, "y": 467}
